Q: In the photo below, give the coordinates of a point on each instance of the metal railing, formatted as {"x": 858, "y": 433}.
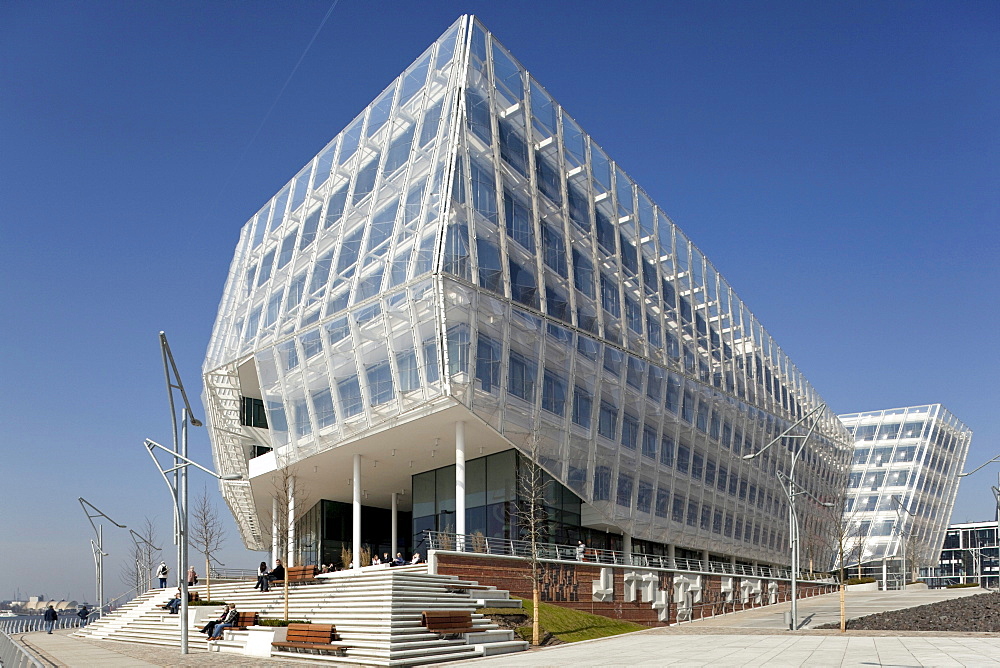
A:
{"x": 15, "y": 655}
{"x": 476, "y": 543}
{"x": 233, "y": 574}
{"x": 34, "y": 623}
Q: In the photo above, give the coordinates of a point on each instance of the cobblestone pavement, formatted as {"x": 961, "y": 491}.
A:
{"x": 61, "y": 649}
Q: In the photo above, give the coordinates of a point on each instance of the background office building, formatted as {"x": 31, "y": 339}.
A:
{"x": 462, "y": 278}
{"x": 970, "y": 555}
{"x": 901, "y": 487}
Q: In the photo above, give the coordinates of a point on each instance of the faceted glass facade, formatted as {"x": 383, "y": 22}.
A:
{"x": 903, "y": 481}
{"x": 465, "y": 240}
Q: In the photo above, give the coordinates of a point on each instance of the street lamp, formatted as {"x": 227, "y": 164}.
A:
{"x": 981, "y": 466}
{"x": 177, "y": 480}
{"x": 142, "y": 569}
{"x": 98, "y": 547}
{"x": 899, "y": 529}
{"x": 791, "y": 493}
{"x": 181, "y": 463}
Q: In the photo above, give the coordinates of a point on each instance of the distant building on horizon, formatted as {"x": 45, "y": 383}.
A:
{"x": 463, "y": 279}
{"x": 902, "y": 486}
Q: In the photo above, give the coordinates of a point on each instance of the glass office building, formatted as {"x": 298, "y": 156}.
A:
{"x": 970, "y": 555}
{"x": 902, "y": 485}
{"x": 464, "y": 271}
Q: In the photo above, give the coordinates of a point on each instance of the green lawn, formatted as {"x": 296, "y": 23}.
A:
{"x": 566, "y": 624}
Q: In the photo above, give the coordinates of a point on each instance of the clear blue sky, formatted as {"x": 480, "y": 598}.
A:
{"x": 838, "y": 162}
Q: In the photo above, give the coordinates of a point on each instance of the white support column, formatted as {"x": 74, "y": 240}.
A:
{"x": 274, "y": 530}
{"x": 395, "y": 527}
{"x": 356, "y": 520}
{"x": 290, "y": 561}
{"x": 460, "y": 479}
{"x": 672, "y": 554}
{"x": 627, "y": 547}
{"x": 704, "y": 558}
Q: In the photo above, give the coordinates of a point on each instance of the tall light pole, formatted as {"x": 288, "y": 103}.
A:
{"x": 793, "y": 534}
{"x": 180, "y": 466}
{"x": 142, "y": 570}
{"x": 177, "y": 478}
{"x": 98, "y": 547}
{"x": 996, "y": 495}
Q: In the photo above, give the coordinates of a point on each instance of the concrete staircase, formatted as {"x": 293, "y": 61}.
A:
{"x": 376, "y": 611}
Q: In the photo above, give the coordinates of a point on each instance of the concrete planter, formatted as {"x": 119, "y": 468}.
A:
{"x": 259, "y": 639}
{"x": 867, "y": 586}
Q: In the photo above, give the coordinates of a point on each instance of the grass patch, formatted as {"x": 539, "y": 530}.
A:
{"x": 566, "y": 624}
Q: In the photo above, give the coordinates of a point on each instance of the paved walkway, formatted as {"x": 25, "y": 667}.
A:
{"x": 825, "y": 609}
{"x": 759, "y": 637}
{"x": 61, "y": 649}
{"x": 648, "y": 648}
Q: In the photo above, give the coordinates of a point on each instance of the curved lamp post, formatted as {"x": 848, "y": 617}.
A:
{"x": 98, "y": 547}
{"x": 791, "y": 493}
{"x": 177, "y": 478}
{"x": 180, "y": 508}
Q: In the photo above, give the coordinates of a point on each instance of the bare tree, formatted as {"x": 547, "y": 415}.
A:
{"x": 142, "y": 558}
{"x": 838, "y": 533}
{"x": 532, "y": 520}
{"x": 207, "y": 534}
{"x": 291, "y": 494}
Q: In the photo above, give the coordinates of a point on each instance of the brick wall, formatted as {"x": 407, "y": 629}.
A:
{"x": 570, "y": 584}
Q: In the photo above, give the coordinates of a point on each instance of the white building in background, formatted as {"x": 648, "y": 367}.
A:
{"x": 902, "y": 486}
{"x": 463, "y": 274}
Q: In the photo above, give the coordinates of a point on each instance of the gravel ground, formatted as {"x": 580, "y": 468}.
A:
{"x": 976, "y": 614}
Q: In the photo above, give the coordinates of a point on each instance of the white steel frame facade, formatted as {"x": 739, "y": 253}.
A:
{"x": 908, "y": 457}
{"x": 464, "y": 246}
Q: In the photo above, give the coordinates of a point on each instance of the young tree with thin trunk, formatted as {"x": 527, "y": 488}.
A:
{"x": 142, "y": 558}
{"x": 532, "y": 520}
{"x": 290, "y": 494}
{"x": 207, "y": 534}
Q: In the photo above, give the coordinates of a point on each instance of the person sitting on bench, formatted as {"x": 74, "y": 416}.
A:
{"x": 210, "y": 627}
{"x": 277, "y": 573}
{"x": 229, "y": 620}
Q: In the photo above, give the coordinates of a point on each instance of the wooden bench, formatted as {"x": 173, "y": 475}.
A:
{"x": 447, "y": 621}
{"x": 298, "y": 575}
{"x": 310, "y": 639}
{"x": 246, "y": 619}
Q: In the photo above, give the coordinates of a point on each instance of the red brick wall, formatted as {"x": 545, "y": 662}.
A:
{"x": 569, "y": 584}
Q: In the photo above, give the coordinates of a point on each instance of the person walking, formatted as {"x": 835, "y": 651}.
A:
{"x": 192, "y": 577}
{"x": 581, "y": 550}
{"x": 161, "y": 573}
{"x": 84, "y": 615}
{"x": 50, "y": 619}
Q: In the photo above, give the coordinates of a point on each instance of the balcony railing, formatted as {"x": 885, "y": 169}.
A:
{"x": 475, "y": 543}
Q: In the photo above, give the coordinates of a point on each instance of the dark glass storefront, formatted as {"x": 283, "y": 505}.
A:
{"x": 326, "y": 530}
{"x": 491, "y": 501}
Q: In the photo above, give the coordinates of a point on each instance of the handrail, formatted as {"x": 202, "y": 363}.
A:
{"x": 233, "y": 573}
{"x": 480, "y": 544}
{"x": 15, "y": 655}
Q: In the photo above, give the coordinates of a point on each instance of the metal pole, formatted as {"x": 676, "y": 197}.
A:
{"x": 794, "y": 537}
{"x": 100, "y": 568}
{"x": 182, "y": 521}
